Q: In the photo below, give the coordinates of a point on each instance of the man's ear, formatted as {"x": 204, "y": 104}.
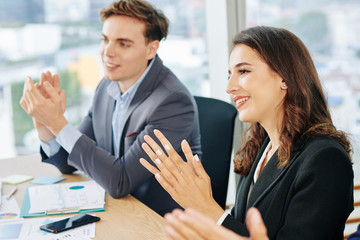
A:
{"x": 152, "y": 48}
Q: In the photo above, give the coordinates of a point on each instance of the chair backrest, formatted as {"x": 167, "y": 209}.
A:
{"x": 216, "y": 128}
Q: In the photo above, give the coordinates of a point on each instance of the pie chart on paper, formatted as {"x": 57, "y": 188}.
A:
{"x": 76, "y": 187}
{"x": 7, "y": 215}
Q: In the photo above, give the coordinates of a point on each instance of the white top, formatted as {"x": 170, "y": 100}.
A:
{"x": 257, "y": 170}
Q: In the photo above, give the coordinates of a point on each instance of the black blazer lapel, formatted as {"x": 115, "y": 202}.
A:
{"x": 244, "y": 186}
{"x": 270, "y": 175}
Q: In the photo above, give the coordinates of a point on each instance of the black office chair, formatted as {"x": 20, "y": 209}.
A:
{"x": 216, "y": 128}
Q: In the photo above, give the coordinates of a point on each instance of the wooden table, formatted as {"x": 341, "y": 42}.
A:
{"x": 125, "y": 218}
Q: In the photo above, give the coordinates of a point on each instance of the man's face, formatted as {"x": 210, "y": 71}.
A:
{"x": 124, "y": 51}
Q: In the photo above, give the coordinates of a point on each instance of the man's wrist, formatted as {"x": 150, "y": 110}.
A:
{"x": 46, "y": 138}
{"x": 57, "y": 126}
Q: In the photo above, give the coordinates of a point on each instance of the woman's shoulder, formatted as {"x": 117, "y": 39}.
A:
{"x": 320, "y": 143}
{"x": 323, "y": 150}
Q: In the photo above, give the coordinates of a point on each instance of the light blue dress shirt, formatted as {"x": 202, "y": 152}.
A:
{"x": 69, "y": 135}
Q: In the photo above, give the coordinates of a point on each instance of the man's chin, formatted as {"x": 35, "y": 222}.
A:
{"x": 110, "y": 77}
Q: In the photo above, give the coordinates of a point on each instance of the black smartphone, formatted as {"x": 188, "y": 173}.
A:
{"x": 69, "y": 223}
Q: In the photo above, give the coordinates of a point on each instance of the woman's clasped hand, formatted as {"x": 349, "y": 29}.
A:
{"x": 186, "y": 181}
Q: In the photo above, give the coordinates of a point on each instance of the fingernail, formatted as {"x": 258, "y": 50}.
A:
{"x": 47, "y": 84}
{"x": 158, "y": 152}
{"x": 158, "y": 161}
{"x": 167, "y": 147}
{"x": 157, "y": 176}
{"x": 197, "y": 158}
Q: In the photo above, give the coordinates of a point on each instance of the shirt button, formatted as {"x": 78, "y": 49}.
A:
{"x": 122, "y": 105}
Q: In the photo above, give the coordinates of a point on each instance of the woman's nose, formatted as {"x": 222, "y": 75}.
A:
{"x": 232, "y": 85}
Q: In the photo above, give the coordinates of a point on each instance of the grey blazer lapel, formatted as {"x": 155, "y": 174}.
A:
{"x": 146, "y": 87}
{"x": 108, "y": 139}
{"x": 149, "y": 83}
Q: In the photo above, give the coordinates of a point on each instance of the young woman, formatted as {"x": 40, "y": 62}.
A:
{"x": 295, "y": 165}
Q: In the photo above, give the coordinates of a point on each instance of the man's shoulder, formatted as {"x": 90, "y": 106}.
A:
{"x": 161, "y": 78}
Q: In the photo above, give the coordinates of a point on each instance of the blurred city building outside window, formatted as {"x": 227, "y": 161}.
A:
{"x": 331, "y": 31}
{"x": 63, "y": 37}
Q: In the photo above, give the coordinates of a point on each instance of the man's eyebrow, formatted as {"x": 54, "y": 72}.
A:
{"x": 125, "y": 40}
{"x": 120, "y": 39}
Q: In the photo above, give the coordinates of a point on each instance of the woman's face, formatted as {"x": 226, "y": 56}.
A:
{"x": 257, "y": 90}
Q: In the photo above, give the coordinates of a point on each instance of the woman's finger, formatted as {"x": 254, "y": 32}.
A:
{"x": 181, "y": 228}
{"x": 148, "y": 166}
{"x": 168, "y": 175}
{"x": 155, "y": 147}
{"x": 189, "y": 155}
{"x": 174, "y": 156}
{"x": 199, "y": 169}
{"x": 255, "y": 224}
{"x": 149, "y": 151}
{"x": 173, "y": 234}
{"x": 166, "y": 185}
{"x": 166, "y": 144}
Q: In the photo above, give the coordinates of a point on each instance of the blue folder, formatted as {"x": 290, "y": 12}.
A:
{"x": 24, "y": 213}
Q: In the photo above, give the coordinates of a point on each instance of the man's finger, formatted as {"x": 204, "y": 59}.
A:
{"x": 51, "y": 91}
{"x": 56, "y": 82}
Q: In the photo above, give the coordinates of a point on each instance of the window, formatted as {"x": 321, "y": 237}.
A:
{"x": 333, "y": 39}
{"x": 63, "y": 37}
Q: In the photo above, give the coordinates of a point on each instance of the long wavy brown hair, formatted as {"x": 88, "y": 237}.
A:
{"x": 306, "y": 113}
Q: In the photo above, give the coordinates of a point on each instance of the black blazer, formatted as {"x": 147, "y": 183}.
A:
{"x": 310, "y": 198}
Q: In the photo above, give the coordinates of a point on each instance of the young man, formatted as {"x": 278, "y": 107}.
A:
{"x": 137, "y": 95}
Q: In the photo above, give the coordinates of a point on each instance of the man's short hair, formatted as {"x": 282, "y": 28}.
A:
{"x": 157, "y": 24}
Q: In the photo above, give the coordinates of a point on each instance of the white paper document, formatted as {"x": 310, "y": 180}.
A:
{"x": 29, "y": 229}
{"x": 9, "y": 210}
{"x": 66, "y": 196}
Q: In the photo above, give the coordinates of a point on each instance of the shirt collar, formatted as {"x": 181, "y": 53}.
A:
{"x": 114, "y": 90}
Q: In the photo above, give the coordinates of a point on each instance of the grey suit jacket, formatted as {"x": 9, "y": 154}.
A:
{"x": 310, "y": 198}
{"x": 161, "y": 102}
